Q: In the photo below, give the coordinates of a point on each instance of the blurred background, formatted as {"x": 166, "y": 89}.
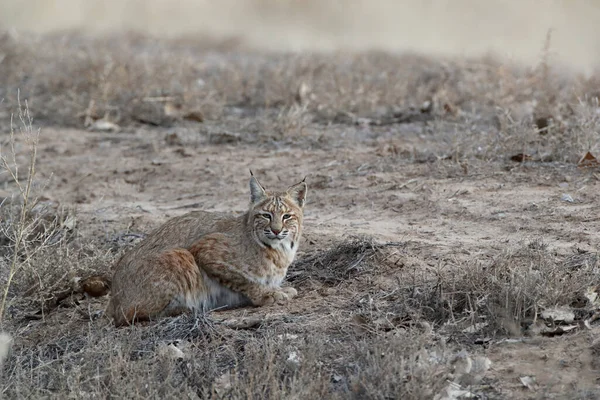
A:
{"x": 509, "y": 28}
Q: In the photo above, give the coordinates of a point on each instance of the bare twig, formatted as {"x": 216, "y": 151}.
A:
{"x": 20, "y": 227}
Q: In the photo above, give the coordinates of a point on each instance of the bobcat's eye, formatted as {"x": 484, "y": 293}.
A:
{"x": 286, "y": 216}
{"x": 266, "y": 216}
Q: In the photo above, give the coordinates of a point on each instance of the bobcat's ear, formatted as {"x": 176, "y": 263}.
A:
{"x": 298, "y": 192}
{"x": 257, "y": 192}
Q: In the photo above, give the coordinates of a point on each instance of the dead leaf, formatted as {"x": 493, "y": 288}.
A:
{"x": 521, "y": 157}
{"x": 94, "y": 286}
{"x": 293, "y": 360}
{"x": 473, "y": 370}
{"x": 481, "y": 364}
{"x": 543, "y": 124}
{"x": 171, "y": 351}
{"x": 223, "y": 384}
{"x": 557, "y": 331}
{"x": 244, "y": 323}
{"x": 559, "y": 314}
{"x": 173, "y": 139}
{"x": 588, "y": 161}
{"x": 5, "y": 343}
{"x": 223, "y": 138}
{"x": 448, "y": 109}
{"x": 528, "y": 382}
{"x": 591, "y": 295}
{"x": 287, "y": 336}
{"x": 69, "y": 222}
{"x": 196, "y": 116}
{"x": 103, "y": 125}
{"x": 475, "y": 327}
{"x": 303, "y": 94}
{"x": 453, "y": 392}
{"x": 184, "y": 152}
{"x": 567, "y": 198}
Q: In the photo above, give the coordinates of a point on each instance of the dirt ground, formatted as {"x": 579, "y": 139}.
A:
{"x": 453, "y": 250}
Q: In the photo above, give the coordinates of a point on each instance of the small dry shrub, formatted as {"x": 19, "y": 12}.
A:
{"x": 130, "y": 78}
{"x": 340, "y": 262}
{"x": 509, "y": 292}
{"x": 502, "y": 297}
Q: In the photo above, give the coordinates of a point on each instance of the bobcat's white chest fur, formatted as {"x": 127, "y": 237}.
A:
{"x": 287, "y": 248}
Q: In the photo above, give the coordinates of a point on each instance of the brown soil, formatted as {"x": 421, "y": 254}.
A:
{"x": 436, "y": 203}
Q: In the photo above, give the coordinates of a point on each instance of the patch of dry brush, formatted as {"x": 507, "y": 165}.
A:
{"x": 399, "y": 344}
{"x": 73, "y": 80}
{"x": 396, "y": 337}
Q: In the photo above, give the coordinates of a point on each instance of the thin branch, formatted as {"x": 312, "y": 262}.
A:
{"x": 20, "y": 228}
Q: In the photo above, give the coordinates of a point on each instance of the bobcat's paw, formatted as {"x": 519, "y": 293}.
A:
{"x": 281, "y": 296}
{"x": 290, "y": 291}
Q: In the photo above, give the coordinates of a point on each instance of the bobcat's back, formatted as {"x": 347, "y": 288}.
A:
{"x": 180, "y": 232}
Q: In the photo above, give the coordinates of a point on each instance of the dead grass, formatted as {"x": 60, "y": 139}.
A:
{"x": 341, "y": 262}
{"x": 391, "y": 352}
{"x": 222, "y": 363}
{"x": 392, "y": 319}
{"x": 73, "y": 80}
{"x": 507, "y": 295}
{"x": 499, "y": 298}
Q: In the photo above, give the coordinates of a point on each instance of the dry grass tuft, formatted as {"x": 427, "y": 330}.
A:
{"x": 344, "y": 260}
{"x": 185, "y": 327}
{"x": 508, "y": 294}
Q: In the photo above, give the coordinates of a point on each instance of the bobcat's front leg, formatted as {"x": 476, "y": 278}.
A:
{"x": 213, "y": 255}
{"x": 258, "y": 294}
{"x": 262, "y": 296}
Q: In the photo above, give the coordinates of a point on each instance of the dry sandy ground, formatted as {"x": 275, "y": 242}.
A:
{"x": 447, "y": 214}
{"x": 426, "y": 247}
{"x": 356, "y": 188}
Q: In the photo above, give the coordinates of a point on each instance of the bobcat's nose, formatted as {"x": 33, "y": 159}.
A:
{"x": 276, "y": 231}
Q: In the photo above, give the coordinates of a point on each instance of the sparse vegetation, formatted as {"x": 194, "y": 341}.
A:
{"x": 426, "y": 247}
{"x": 21, "y": 229}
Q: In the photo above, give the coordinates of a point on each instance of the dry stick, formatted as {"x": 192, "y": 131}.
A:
{"x": 25, "y": 193}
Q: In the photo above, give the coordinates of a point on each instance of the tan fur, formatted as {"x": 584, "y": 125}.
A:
{"x": 203, "y": 260}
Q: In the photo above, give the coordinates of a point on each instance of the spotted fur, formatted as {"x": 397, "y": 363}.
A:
{"x": 203, "y": 260}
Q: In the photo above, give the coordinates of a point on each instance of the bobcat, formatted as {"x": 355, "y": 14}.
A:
{"x": 204, "y": 260}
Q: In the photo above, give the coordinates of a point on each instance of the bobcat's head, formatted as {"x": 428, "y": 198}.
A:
{"x": 276, "y": 217}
